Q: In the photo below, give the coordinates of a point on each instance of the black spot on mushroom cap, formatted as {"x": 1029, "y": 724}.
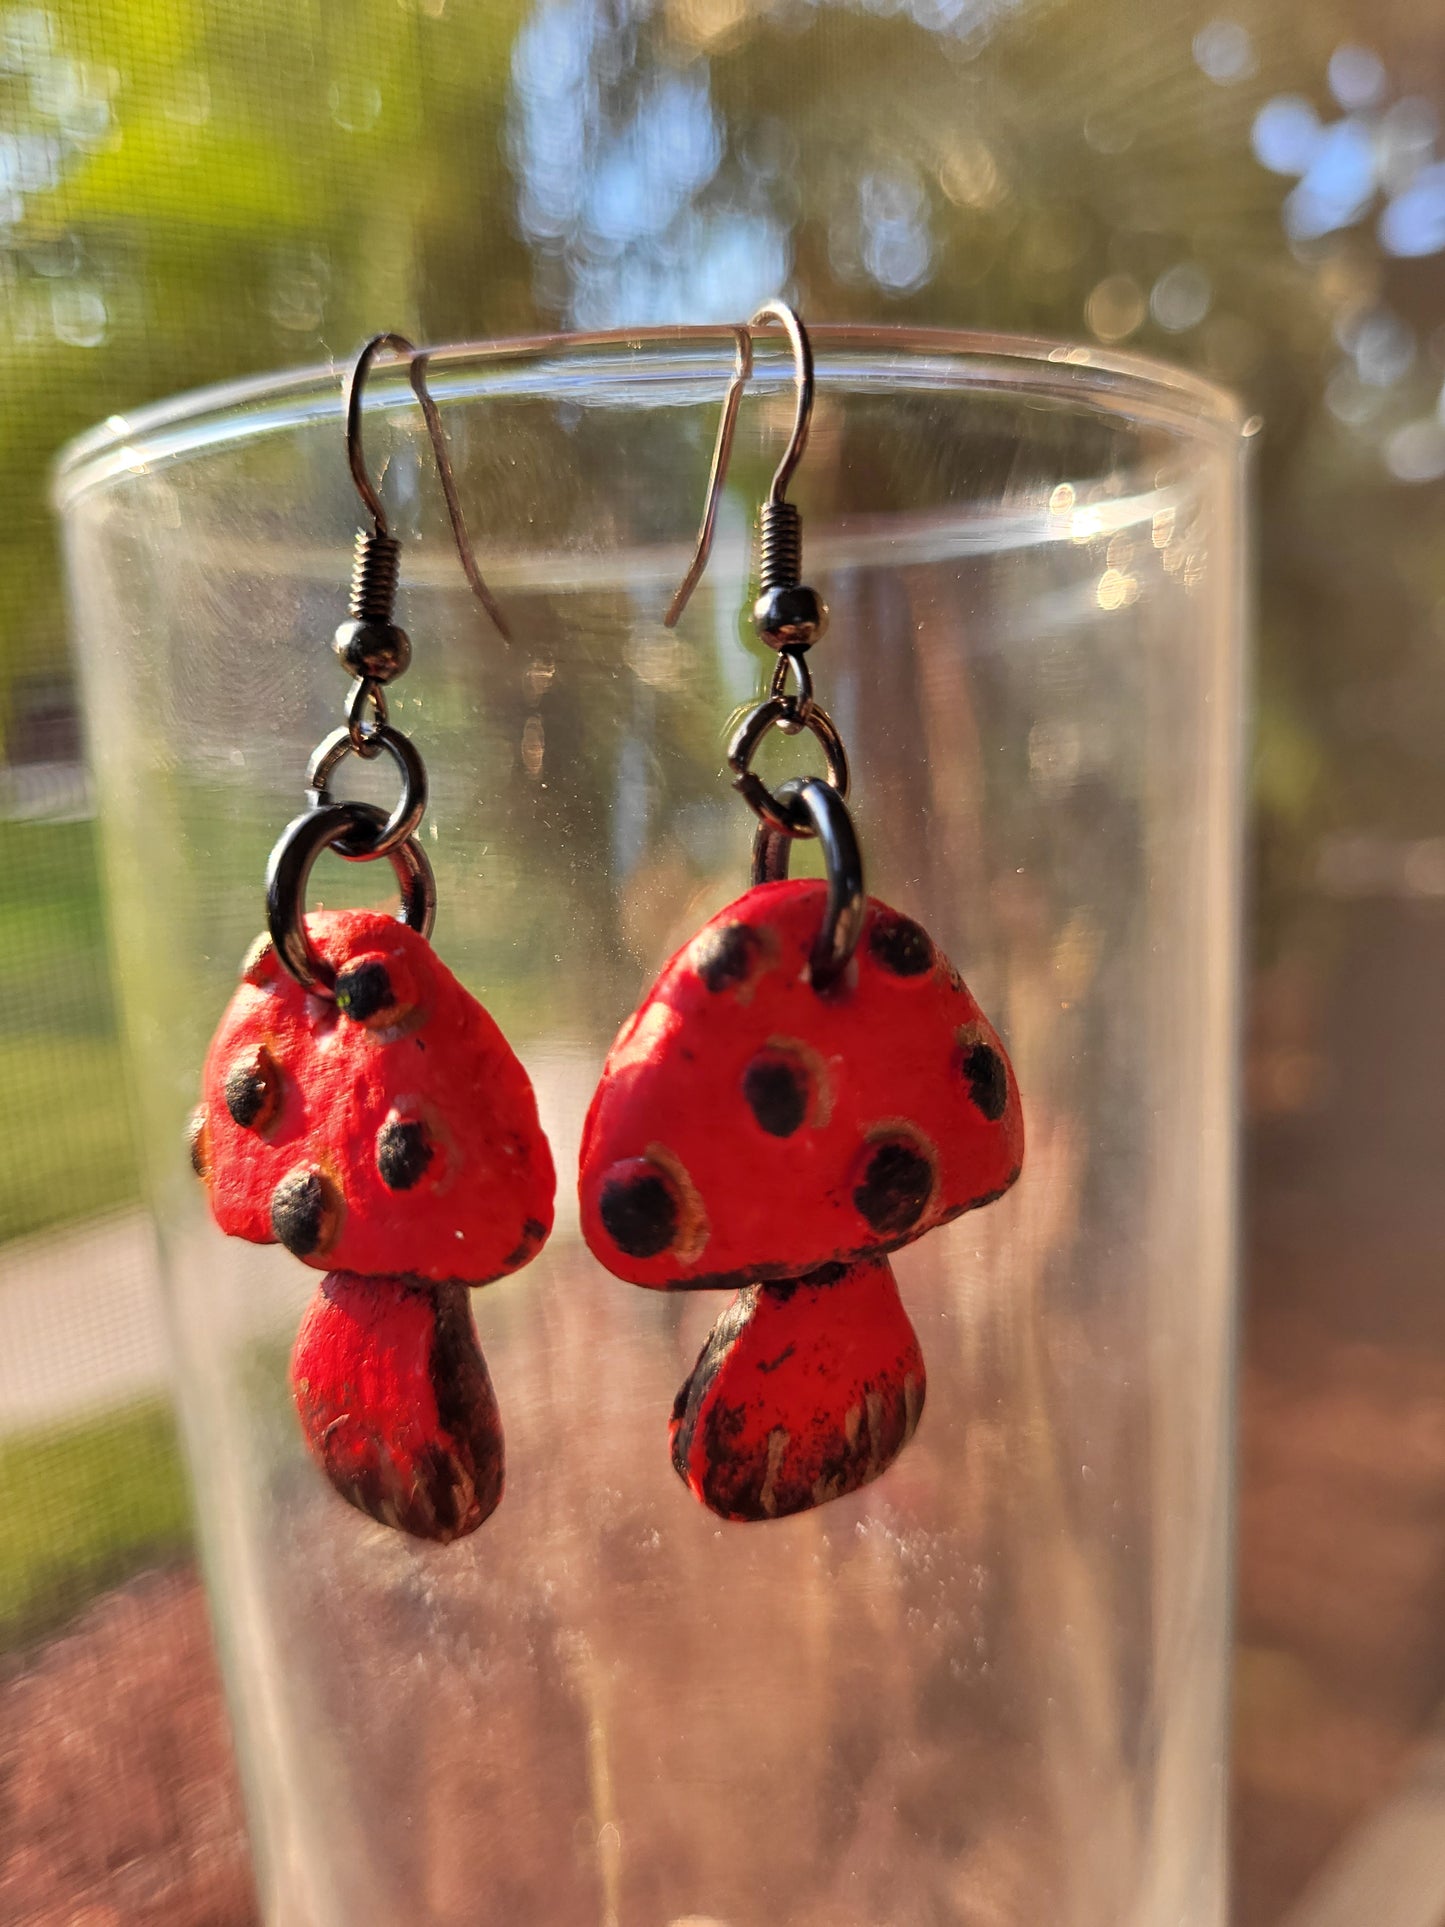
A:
{"x": 364, "y": 991}
{"x": 987, "y": 1078}
{"x": 252, "y": 1090}
{"x": 305, "y": 1212}
{"x": 899, "y": 944}
{"x": 896, "y": 1185}
{"x": 726, "y": 955}
{"x": 775, "y": 1086}
{"x": 403, "y": 1152}
{"x": 638, "y": 1209}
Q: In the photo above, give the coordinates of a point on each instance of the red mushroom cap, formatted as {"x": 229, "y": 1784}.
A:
{"x": 804, "y": 1391}
{"x": 387, "y": 1130}
{"x": 747, "y": 1126}
{"x": 397, "y": 1405}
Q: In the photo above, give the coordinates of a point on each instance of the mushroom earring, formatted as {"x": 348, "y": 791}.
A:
{"x": 361, "y": 1108}
{"x": 807, "y": 1087}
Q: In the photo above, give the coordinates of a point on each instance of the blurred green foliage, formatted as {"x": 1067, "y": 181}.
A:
{"x": 211, "y": 189}
{"x": 191, "y": 191}
{"x": 83, "y": 1508}
{"x": 195, "y": 189}
{"x": 70, "y": 1147}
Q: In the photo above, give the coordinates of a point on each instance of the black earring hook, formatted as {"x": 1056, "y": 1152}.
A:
{"x": 416, "y": 360}
{"x": 717, "y": 475}
{"x": 792, "y": 324}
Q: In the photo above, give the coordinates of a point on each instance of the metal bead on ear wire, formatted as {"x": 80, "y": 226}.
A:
{"x": 370, "y": 644}
{"x": 361, "y": 1108}
{"x": 807, "y": 1087}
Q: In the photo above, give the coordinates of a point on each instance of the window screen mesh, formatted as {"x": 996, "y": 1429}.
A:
{"x": 190, "y": 189}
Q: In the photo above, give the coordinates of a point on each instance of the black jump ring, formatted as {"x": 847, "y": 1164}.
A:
{"x": 365, "y": 737}
{"x": 410, "y": 805}
{"x": 288, "y": 870}
{"x": 822, "y": 807}
{"x": 796, "y": 662}
{"x": 777, "y": 711}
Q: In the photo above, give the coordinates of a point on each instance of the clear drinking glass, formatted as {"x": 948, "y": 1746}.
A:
{"x": 989, "y": 1688}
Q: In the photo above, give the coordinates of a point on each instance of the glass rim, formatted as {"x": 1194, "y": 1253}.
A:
{"x": 1097, "y": 380}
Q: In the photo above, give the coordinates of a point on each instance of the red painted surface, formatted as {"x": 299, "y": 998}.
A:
{"x": 737, "y": 1128}
{"x": 802, "y": 1393}
{"x": 419, "y": 1082}
{"x": 397, "y": 1405}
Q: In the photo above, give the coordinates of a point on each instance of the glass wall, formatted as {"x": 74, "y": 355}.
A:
{"x": 199, "y": 189}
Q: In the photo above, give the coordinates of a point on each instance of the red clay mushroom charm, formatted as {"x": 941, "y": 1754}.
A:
{"x": 384, "y": 1133}
{"x": 362, "y": 1109}
{"x": 386, "y": 1129}
{"x": 751, "y": 1129}
{"x": 804, "y": 1391}
{"x": 807, "y": 1086}
{"x": 397, "y": 1405}
{"x": 747, "y": 1126}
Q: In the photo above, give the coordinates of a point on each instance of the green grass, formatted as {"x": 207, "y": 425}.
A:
{"x": 69, "y": 1149}
{"x": 84, "y": 1508}
{"x": 70, "y": 1146}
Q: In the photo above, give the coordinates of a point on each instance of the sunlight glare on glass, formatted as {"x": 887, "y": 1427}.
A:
{"x": 1116, "y": 590}
{"x": 651, "y": 167}
{"x": 1349, "y": 399}
{"x": 1180, "y": 298}
{"x": 1357, "y": 77}
{"x": 1285, "y": 134}
{"x": 737, "y": 261}
{"x": 189, "y": 101}
{"x": 1406, "y": 141}
{"x": 1224, "y": 52}
{"x": 711, "y": 267}
{"x": 1115, "y": 308}
{"x": 1413, "y": 224}
{"x": 617, "y": 189}
{"x": 27, "y": 36}
{"x": 355, "y": 105}
{"x": 78, "y": 316}
{"x": 710, "y": 24}
{"x": 555, "y": 108}
{"x": 1384, "y": 349}
{"x": 893, "y": 215}
{"x": 1416, "y": 452}
{"x": 969, "y": 174}
{"x": 1338, "y": 184}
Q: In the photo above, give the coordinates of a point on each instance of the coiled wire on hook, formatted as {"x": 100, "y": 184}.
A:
{"x": 376, "y": 651}
{"x": 375, "y": 570}
{"x": 780, "y": 546}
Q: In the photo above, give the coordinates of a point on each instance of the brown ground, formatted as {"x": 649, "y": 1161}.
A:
{"x": 118, "y": 1799}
